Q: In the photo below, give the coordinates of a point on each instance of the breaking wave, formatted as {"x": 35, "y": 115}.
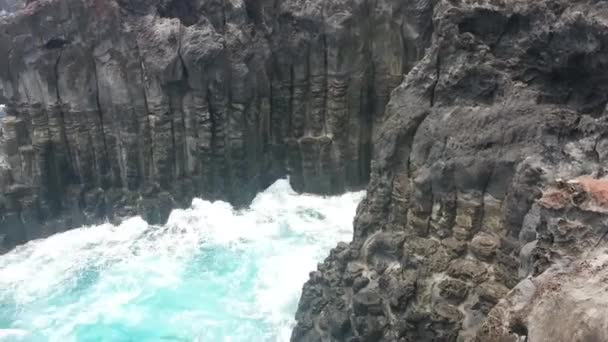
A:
{"x": 212, "y": 273}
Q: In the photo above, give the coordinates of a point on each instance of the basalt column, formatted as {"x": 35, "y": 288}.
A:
{"x": 134, "y": 107}
{"x": 482, "y": 150}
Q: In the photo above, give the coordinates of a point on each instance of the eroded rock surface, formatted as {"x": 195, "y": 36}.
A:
{"x": 125, "y": 107}
{"x": 508, "y": 102}
{"x": 486, "y": 185}
{"x": 566, "y": 268}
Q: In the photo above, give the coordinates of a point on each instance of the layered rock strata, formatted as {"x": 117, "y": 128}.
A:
{"x": 509, "y": 99}
{"x": 134, "y": 107}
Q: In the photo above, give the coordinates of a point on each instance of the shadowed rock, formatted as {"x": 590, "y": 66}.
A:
{"x": 485, "y": 161}
{"x": 134, "y": 107}
{"x": 509, "y": 98}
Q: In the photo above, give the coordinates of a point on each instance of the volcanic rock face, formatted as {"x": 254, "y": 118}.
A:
{"x": 125, "y": 107}
{"x": 509, "y": 98}
{"x": 476, "y": 203}
{"x": 567, "y": 267}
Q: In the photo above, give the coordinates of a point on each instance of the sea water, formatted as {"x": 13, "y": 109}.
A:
{"x": 212, "y": 273}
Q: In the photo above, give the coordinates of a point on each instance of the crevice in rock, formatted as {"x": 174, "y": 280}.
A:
{"x": 56, "y": 43}
{"x": 68, "y": 173}
{"x": 214, "y": 185}
{"x": 325, "y": 75}
{"x": 487, "y": 24}
{"x": 147, "y": 130}
{"x": 515, "y": 23}
{"x": 254, "y": 12}
{"x": 430, "y": 213}
{"x": 596, "y": 155}
{"x": 184, "y": 10}
{"x": 144, "y": 77}
{"x": 104, "y": 156}
{"x": 290, "y": 130}
{"x": 185, "y": 88}
{"x": 223, "y": 15}
{"x": 437, "y": 75}
{"x": 408, "y": 139}
{"x": 173, "y": 157}
{"x": 520, "y": 330}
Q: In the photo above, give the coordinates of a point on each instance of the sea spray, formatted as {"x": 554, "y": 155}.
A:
{"x": 211, "y": 273}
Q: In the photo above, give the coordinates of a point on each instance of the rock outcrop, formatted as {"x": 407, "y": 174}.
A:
{"x": 485, "y": 218}
{"x": 134, "y": 107}
{"x": 508, "y": 103}
{"x": 566, "y": 267}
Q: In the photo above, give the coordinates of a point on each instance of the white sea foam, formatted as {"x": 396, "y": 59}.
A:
{"x": 210, "y": 274}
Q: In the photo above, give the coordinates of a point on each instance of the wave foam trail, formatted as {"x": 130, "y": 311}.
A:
{"x": 211, "y": 273}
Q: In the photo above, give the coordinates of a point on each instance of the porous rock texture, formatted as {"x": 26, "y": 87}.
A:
{"x": 133, "y": 107}
{"x": 566, "y": 267}
{"x": 485, "y": 216}
{"x": 486, "y": 189}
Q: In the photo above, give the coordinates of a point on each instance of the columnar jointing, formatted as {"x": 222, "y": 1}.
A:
{"x": 486, "y": 161}
{"x": 488, "y": 182}
{"x": 119, "y": 108}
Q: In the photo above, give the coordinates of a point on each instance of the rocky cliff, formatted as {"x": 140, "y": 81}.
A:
{"x": 134, "y": 107}
{"x": 476, "y": 192}
{"x": 481, "y": 126}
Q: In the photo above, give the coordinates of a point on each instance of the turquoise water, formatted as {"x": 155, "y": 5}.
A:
{"x": 210, "y": 274}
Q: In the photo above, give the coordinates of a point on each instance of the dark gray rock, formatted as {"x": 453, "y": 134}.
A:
{"x": 134, "y": 107}
{"x": 509, "y": 98}
{"x": 367, "y": 302}
{"x": 359, "y": 283}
